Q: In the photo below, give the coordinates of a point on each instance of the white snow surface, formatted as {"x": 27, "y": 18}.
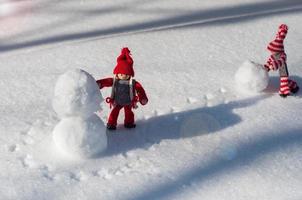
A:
{"x": 251, "y": 78}
{"x": 76, "y": 94}
{"x": 198, "y": 137}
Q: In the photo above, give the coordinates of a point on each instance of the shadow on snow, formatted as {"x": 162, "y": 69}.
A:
{"x": 246, "y": 155}
{"x": 186, "y": 124}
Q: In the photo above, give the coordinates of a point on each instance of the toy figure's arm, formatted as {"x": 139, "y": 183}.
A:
{"x": 267, "y": 67}
{"x": 275, "y": 64}
{"x": 143, "y": 99}
{"x": 106, "y": 82}
{"x": 269, "y": 64}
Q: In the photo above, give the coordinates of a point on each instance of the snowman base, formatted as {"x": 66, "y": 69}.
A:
{"x": 79, "y": 137}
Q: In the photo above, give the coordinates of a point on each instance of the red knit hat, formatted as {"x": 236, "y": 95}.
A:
{"x": 277, "y": 44}
{"x": 124, "y": 63}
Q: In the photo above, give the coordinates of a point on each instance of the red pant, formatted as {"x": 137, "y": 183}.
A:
{"x": 129, "y": 115}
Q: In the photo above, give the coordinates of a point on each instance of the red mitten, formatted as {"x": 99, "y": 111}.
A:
{"x": 143, "y": 101}
{"x": 283, "y": 27}
{"x": 266, "y": 66}
{"x": 273, "y": 66}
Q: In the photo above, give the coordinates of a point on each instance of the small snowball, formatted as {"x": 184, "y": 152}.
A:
{"x": 251, "y": 77}
{"x": 79, "y": 137}
{"x": 76, "y": 94}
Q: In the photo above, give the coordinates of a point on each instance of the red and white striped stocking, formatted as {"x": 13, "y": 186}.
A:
{"x": 284, "y": 85}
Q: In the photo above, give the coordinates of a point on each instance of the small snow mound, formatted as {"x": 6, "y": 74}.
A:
{"x": 79, "y": 137}
{"x": 76, "y": 94}
{"x": 251, "y": 77}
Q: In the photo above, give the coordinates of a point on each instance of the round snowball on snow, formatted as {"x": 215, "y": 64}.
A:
{"x": 251, "y": 77}
{"x": 79, "y": 137}
{"x": 76, "y": 94}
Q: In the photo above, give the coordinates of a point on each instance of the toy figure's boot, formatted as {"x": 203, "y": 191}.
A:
{"x": 111, "y": 127}
{"x": 294, "y": 88}
{"x": 129, "y": 117}
{"x": 112, "y": 121}
{"x": 284, "y": 87}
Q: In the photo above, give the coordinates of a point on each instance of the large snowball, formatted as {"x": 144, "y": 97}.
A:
{"x": 79, "y": 137}
{"x": 251, "y": 77}
{"x": 76, "y": 94}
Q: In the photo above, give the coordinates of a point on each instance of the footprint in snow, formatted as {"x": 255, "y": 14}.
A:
{"x": 29, "y": 162}
{"x": 45, "y": 172}
{"x": 138, "y": 165}
{"x": 103, "y": 173}
{"x": 13, "y": 148}
{"x": 221, "y": 96}
{"x": 28, "y": 140}
{"x": 23, "y": 132}
{"x": 28, "y": 136}
{"x": 191, "y": 100}
{"x": 214, "y": 98}
{"x": 79, "y": 176}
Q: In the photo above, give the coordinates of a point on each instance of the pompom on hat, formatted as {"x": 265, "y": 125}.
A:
{"x": 277, "y": 44}
{"x": 124, "y": 63}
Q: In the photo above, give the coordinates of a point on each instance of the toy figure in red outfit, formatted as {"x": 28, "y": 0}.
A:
{"x": 126, "y": 91}
{"x": 277, "y": 60}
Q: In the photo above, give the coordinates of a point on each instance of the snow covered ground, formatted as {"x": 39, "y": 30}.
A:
{"x": 198, "y": 138}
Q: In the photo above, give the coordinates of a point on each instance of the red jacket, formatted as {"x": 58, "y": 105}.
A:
{"x": 142, "y": 97}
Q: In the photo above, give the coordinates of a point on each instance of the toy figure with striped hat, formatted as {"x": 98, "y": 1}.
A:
{"x": 277, "y": 61}
{"x": 125, "y": 93}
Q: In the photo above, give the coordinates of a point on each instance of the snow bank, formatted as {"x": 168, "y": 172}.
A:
{"x": 251, "y": 78}
{"x": 76, "y": 94}
{"x": 79, "y": 137}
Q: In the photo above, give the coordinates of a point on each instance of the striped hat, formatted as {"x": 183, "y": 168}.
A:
{"x": 277, "y": 44}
